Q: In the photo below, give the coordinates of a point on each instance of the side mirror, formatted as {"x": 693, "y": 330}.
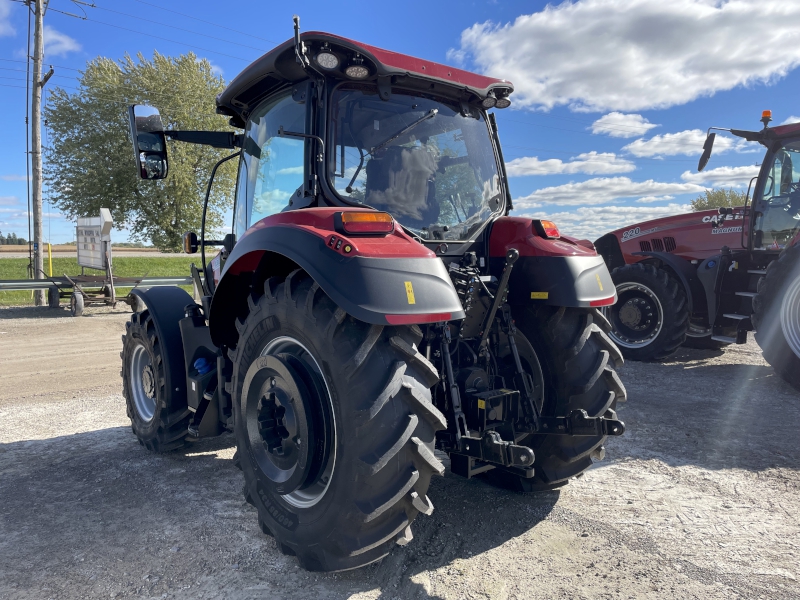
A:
{"x": 149, "y": 142}
{"x": 190, "y": 244}
{"x": 707, "y": 146}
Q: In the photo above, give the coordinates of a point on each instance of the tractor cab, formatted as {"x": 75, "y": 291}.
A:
{"x": 774, "y": 218}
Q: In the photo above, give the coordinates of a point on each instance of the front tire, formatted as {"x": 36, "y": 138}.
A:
{"x": 159, "y": 419}
{"x": 361, "y": 392}
{"x": 776, "y": 315}
{"x": 578, "y": 362}
{"x": 651, "y": 318}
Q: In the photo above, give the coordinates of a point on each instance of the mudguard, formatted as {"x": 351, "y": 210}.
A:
{"x": 165, "y": 305}
{"x": 381, "y": 280}
{"x": 559, "y": 272}
{"x": 687, "y": 274}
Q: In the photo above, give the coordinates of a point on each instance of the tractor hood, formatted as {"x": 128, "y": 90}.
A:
{"x": 279, "y": 68}
{"x": 690, "y": 235}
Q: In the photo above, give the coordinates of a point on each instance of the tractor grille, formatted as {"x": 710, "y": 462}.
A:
{"x": 658, "y": 244}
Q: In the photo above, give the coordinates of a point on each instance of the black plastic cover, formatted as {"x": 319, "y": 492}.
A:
{"x": 558, "y": 280}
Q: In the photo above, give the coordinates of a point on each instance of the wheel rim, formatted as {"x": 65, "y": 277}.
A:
{"x": 273, "y": 429}
{"x": 698, "y": 331}
{"x": 637, "y": 318}
{"x": 143, "y": 383}
{"x": 790, "y": 316}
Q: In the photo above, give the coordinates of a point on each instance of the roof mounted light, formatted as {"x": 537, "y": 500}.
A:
{"x": 490, "y": 101}
{"x": 502, "y": 99}
{"x": 327, "y": 59}
{"x": 356, "y": 68}
{"x": 766, "y": 117}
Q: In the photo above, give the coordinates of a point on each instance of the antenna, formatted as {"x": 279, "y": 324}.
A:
{"x": 299, "y": 47}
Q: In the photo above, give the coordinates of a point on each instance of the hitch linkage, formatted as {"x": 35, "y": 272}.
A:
{"x": 578, "y": 422}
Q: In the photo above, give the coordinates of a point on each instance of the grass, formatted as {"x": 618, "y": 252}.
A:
{"x": 126, "y": 266}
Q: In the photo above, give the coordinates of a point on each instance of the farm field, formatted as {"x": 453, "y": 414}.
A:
{"x": 699, "y": 499}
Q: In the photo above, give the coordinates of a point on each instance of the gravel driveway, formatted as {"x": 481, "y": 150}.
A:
{"x": 699, "y": 499}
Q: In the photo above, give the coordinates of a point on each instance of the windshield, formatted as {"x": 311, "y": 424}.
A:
{"x": 778, "y": 218}
{"x": 417, "y": 158}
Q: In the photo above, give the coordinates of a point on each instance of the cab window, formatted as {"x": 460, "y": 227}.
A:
{"x": 273, "y": 168}
{"x": 778, "y": 217}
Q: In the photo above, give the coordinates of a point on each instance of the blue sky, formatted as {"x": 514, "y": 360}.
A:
{"x": 612, "y": 98}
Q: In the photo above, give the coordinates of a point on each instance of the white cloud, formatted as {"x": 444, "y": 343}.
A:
{"x": 621, "y": 125}
{"x": 627, "y": 55}
{"x": 6, "y": 200}
{"x": 592, "y": 163}
{"x": 689, "y": 143}
{"x": 290, "y": 171}
{"x": 603, "y": 190}
{"x": 216, "y": 69}
{"x": 57, "y": 43}
{"x": 722, "y": 176}
{"x": 590, "y": 222}
{"x": 791, "y": 119}
{"x": 5, "y": 24}
{"x": 648, "y": 199}
{"x": 14, "y": 177}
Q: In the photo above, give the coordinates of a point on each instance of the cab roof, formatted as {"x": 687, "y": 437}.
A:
{"x": 279, "y": 68}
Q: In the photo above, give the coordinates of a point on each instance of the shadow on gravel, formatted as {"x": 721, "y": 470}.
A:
{"x": 716, "y": 416}
{"x": 62, "y": 312}
{"x": 94, "y": 513}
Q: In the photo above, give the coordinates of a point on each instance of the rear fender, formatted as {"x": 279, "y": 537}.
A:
{"x": 385, "y": 280}
{"x": 558, "y": 272}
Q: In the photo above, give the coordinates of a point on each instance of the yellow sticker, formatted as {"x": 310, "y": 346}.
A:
{"x": 410, "y": 293}
{"x": 599, "y": 283}
{"x": 481, "y": 403}
{"x": 540, "y": 295}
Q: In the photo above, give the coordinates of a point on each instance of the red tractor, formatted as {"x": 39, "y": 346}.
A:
{"x": 373, "y": 302}
{"x": 705, "y": 279}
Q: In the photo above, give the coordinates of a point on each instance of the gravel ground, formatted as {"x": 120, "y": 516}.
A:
{"x": 699, "y": 499}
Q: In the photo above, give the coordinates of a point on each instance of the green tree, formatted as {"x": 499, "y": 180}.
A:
{"x": 90, "y": 162}
{"x": 718, "y": 198}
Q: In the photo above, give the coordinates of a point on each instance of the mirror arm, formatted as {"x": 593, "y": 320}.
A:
{"x": 215, "y": 139}
{"x": 205, "y": 209}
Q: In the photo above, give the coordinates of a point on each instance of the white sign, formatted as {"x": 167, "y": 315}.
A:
{"x": 93, "y": 235}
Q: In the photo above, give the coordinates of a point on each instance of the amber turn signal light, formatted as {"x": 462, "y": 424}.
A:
{"x": 546, "y": 229}
{"x": 358, "y": 222}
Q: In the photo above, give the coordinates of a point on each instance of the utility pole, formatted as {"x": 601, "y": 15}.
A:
{"x": 36, "y": 144}
{"x": 36, "y": 140}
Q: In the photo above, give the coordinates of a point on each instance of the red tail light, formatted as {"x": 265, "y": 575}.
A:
{"x": 546, "y": 229}
{"x": 372, "y": 222}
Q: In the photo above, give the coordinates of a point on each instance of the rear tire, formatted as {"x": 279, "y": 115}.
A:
{"x": 578, "y": 361}
{"x": 158, "y": 419}
{"x": 651, "y": 317}
{"x": 776, "y": 315}
{"x": 371, "y": 479}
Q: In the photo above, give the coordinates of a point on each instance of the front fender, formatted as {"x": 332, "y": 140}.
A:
{"x": 391, "y": 280}
{"x": 687, "y": 275}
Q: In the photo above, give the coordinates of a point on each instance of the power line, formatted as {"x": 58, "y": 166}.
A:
{"x": 159, "y": 37}
{"x": 159, "y": 7}
{"x": 179, "y": 28}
